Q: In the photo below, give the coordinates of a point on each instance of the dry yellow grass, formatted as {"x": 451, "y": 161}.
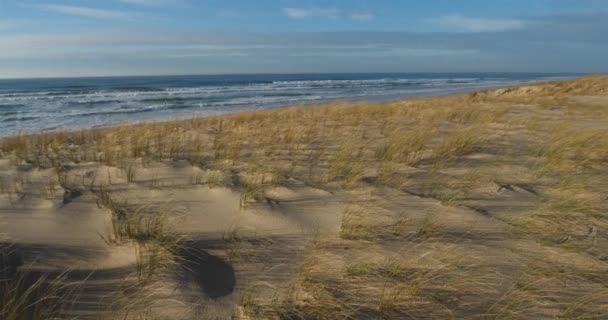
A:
{"x": 501, "y": 159}
{"x": 31, "y": 295}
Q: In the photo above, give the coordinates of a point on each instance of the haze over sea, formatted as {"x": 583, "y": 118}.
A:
{"x": 28, "y": 105}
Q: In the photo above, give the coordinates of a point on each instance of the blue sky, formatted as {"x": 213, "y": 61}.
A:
{"x": 144, "y": 37}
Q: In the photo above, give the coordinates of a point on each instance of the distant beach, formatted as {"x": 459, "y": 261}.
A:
{"x": 59, "y": 103}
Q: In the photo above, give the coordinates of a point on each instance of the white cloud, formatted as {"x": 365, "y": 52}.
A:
{"x": 387, "y": 52}
{"x": 8, "y": 24}
{"x": 206, "y": 54}
{"x": 362, "y": 16}
{"x": 480, "y": 24}
{"x": 301, "y": 13}
{"x": 149, "y": 3}
{"x": 85, "y": 12}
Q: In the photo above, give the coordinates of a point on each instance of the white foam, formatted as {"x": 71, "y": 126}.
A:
{"x": 82, "y": 108}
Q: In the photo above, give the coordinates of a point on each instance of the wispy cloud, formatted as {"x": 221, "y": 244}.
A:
{"x": 385, "y": 52}
{"x": 206, "y": 54}
{"x": 480, "y": 24}
{"x": 301, "y": 13}
{"x": 9, "y": 24}
{"x": 362, "y": 16}
{"x": 86, "y": 12}
{"x": 148, "y": 3}
{"x": 116, "y": 52}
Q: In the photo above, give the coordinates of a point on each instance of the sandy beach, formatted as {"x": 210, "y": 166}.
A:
{"x": 483, "y": 205}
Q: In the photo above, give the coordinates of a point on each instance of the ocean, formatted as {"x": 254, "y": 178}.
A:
{"x": 30, "y": 105}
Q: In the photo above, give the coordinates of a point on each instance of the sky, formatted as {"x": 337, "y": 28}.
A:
{"x": 69, "y": 38}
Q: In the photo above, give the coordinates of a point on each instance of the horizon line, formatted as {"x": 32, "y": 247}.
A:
{"x": 299, "y": 73}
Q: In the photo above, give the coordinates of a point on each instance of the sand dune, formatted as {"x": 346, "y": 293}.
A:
{"x": 490, "y": 205}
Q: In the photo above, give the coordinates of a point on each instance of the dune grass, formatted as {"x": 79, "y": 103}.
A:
{"x": 448, "y": 152}
{"x": 30, "y": 295}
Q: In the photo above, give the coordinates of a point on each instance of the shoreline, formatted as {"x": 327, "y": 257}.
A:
{"x": 361, "y": 100}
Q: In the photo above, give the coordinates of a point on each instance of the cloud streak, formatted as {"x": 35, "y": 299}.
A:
{"x": 8, "y": 25}
{"x": 362, "y": 16}
{"x": 480, "y": 24}
{"x": 404, "y": 52}
{"x": 557, "y": 43}
{"x": 148, "y": 3}
{"x": 85, "y": 12}
{"x": 331, "y": 13}
{"x": 301, "y": 13}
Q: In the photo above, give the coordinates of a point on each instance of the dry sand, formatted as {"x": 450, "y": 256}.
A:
{"x": 485, "y": 234}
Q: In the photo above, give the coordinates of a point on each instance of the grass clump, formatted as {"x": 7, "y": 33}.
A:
{"x": 252, "y": 187}
{"x": 149, "y": 228}
{"x": 355, "y": 225}
{"x": 458, "y": 143}
{"x": 405, "y": 146}
{"x": 346, "y": 165}
{"x": 30, "y": 295}
{"x": 154, "y": 260}
{"x": 572, "y": 150}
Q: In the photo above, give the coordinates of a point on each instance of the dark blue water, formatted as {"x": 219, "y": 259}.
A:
{"x": 48, "y": 104}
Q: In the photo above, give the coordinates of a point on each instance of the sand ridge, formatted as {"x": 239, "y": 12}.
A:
{"x": 488, "y": 205}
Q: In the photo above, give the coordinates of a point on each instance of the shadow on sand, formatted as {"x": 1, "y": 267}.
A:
{"x": 213, "y": 275}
